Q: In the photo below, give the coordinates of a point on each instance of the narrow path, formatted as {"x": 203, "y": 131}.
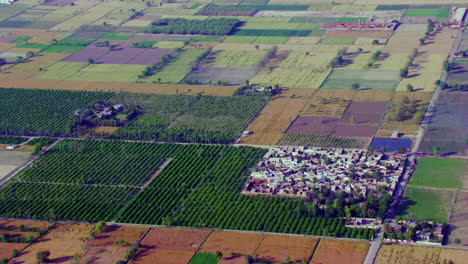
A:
{"x": 158, "y": 170}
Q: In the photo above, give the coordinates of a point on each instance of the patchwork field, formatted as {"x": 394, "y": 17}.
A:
{"x": 400, "y": 254}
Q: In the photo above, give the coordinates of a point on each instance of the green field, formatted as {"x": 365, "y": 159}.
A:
{"x": 21, "y": 39}
{"x": 109, "y": 73}
{"x": 352, "y": 19}
{"x": 375, "y": 79}
{"x": 427, "y": 204}
{"x": 63, "y": 49}
{"x": 428, "y": 12}
{"x": 438, "y": 172}
{"x": 32, "y": 46}
{"x": 240, "y": 39}
{"x": 272, "y": 32}
{"x": 204, "y": 258}
{"x": 337, "y": 41}
{"x": 115, "y": 36}
{"x": 74, "y": 42}
{"x": 60, "y": 71}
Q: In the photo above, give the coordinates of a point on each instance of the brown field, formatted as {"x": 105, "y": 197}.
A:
{"x": 399, "y": 254}
{"x": 104, "y": 255}
{"x": 148, "y": 88}
{"x": 105, "y": 129}
{"x": 18, "y": 234}
{"x": 232, "y": 242}
{"x": 114, "y": 233}
{"x": 277, "y": 247}
{"x": 275, "y": 118}
{"x": 26, "y": 69}
{"x": 331, "y": 251}
{"x": 6, "y": 249}
{"x": 359, "y": 34}
{"x": 440, "y": 42}
{"x": 15, "y": 223}
{"x": 170, "y": 245}
{"x": 233, "y": 260}
{"x": 5, "y": 46}
{"x": 458, "y": 218}
{"x": 403, "y": 41}
{"x": 63, "y": 242}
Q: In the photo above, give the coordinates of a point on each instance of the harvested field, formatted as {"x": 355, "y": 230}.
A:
{"x": 243, "y": 46}
{"x": 421, "y": 20}
{"x": 6, "y": 249}
{"x": 458, "y": 219}
{"x": 298, "y": 70}
{"x": 105, "y": 129}
{"x": 337, "y": 41}
{"x": 10, "y": 223}
{"x": 228, "y": 241}
{"x": 232, "y": 260}
{"x": 324, "y": 141}
{"x": 303, "y": 40}
{"x": 109, "y": 73}
{"x": 60, "y": 71}
{"x": 404, "y": 41}
{"x": 104, "y": 255}
{"x": 169, "y": 44}
{"x": 275, "y": 118}
{"x": 31, "y": 66}
{"x": 391, "y": 61}
{"x": 63, "y": 241}
{"x": 113, "y": 233}
{"x": 232, "y": 75}
{"x": 170, "y": 245}
{"x": 375, "y": 80}
{"x": 331, "y": 251}
{"x": 233, "y": 58}
{"x": 357, "y": 121}
{"x": 9, "y": 160}
{"x": 440, "y": 42}
{"x": 459, "y": 74}
{"x": 277, "y": 247}
{"x": 403, "y": 254}
{"x": 426, "y": 70}
{"x": 383, "y": 34}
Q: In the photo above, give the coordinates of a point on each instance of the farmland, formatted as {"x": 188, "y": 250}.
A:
{"x": 400, "y": 254}
{"x": 437, "y": 172}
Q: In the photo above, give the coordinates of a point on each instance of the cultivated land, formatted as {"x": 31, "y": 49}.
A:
{"x": 311, "y": 73}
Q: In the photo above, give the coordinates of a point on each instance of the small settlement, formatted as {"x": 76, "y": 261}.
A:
{"x": 296, "y": 171}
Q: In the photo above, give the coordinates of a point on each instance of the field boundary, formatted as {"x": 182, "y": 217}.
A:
{"x": 314, "y": 250}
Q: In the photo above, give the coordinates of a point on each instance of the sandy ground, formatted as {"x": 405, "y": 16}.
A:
{"x": 9, "y": 160}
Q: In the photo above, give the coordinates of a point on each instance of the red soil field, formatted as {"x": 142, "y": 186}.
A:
{"x": 278, "y": 247}
{"x": 228, "y": 242}
{"x": 13, "y": 224}
{"x": 170, "y": 245}
{"x": 6, "y": 249}
{"x": 114, "y": 233}
{"x": 331, "y": 251}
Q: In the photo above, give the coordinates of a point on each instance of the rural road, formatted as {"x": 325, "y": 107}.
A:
{"x": 404, "y": 180}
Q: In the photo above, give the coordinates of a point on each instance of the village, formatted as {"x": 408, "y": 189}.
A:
{"x": 297, "y": 171}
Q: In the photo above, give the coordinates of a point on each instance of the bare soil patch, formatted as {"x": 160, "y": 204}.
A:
{"x": 277, "y": 247}
{"x": 232, "y": 242}
{"x": 340, "y": 251}
{"x": 113, "y": 233}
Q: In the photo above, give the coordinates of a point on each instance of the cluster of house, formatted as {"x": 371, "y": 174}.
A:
{"x": 426, "y": 232}
{"x": 296, "y": 171}
{"x": 100, "y": 110}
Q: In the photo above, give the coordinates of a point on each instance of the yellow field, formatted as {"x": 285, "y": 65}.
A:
{"x": 403, "y": 254}
{"x": 428, "y": 69}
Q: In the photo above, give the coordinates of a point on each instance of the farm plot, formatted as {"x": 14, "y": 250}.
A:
{"x": 167, "y": 245}
{"x": 175, "y": 71}
{"x": 439, "y": 42}
{"x": 229, "y": 75}
{"x": 427, "y": 204}
{"x": 109, "y": 72}
{"x": 391, "y": 61}
{"x": 391, "y": 144}
{"x": 383, "y": 34}
{"x": 427, "y": 12}
{"x": 9, "y": 160}
{"x": 447, "y": 129}
{"x": 233, "y": 58}
{"x": 325, "y": 141}
{"x": 459, "y": 74}
{"x": 366, "y": 79}
{"x": 31, "y": 66}
{"x": 37, "y": 109}
{"x": 134, "y": 56}
{"x": 276, "y": 117}
{"x": 228, "y": 241}
{"x": 298, "y": 70}
{"x": 7, "y": 248}
{"x": 458, "y": 218}
{"x": 277, "y": 248}
{"x": 340, "y": 251}
{"x": 438, "y": 172}
{"x": 62, "y": 242}
{"x": 404, "y": 41}
{"x": 357, "y": 121}
{"x": 402, "y": 254}
{"x": 405, "y": 113}
{"x": 337, "y": 41}
{"x": 89, "y": 52}
{"x": 60, "y": 71}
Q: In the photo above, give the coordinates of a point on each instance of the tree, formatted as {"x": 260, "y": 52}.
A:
{"x": 100, "y": 226}
{"x": 15, "y": 253}
{"x": 257, "y": 47}
{"x": 53, "y": 41}
{"x": 29, "y": 54}
{"x": 218, "y": 254}
{"x": 457, "y": 240}
{"x": 2, "y": 61}
{"x": 375, "y": 42}
{"x": 409, "y": 87}
{"x": 436, "y": 150}
{"x": 19, "y": 59}
{"x": 355, "y": 86}
{"x": 90, "y": 60}
{"x": 404, "y": 72}
{"x": 42, "y": 257}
